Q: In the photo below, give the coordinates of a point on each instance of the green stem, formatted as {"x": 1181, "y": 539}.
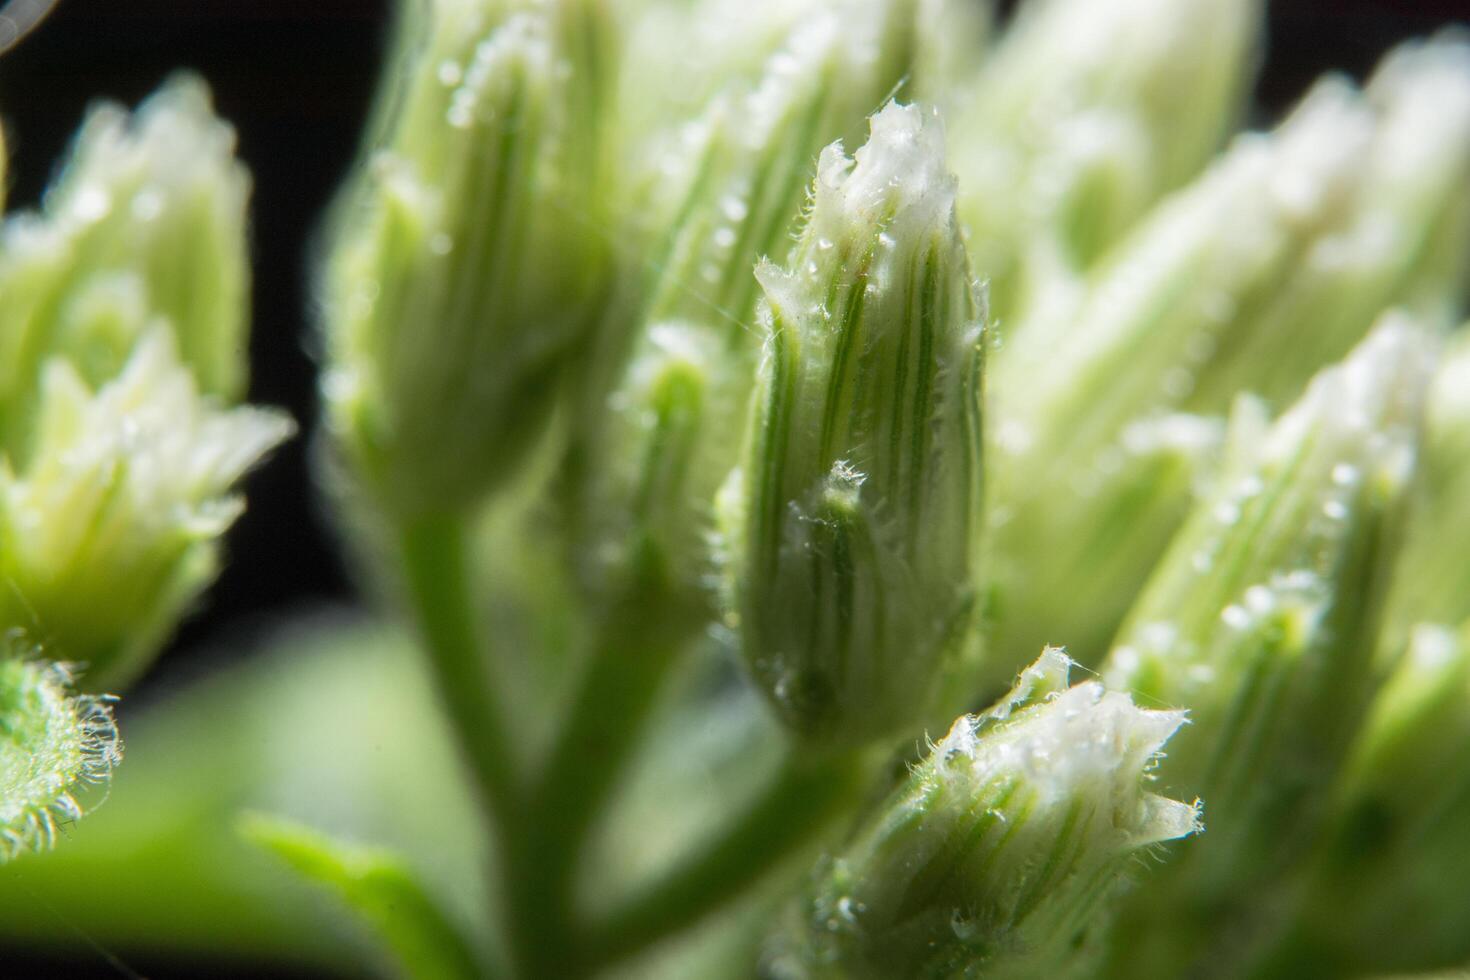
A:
{"x": 802, "y": 800}
{"x": 436, "y": 571}
{"x": 638, "y": 643}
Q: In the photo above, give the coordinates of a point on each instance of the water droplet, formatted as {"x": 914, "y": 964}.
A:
{"x": 147, "y": 204}
{"x": 1227, "y": 512}
{"x": 1235, "y": 617}
{"x": 449, "y": 73}
{"x": 734, "y": 208}
{"x": 441, "y": 244}
{"x": 460, "y": 116}
{"x": 1258, "y": 599}
{"x": 886, "y": 240}
{"x": 1178, "y": 382}
{"x": 724, "y": 237}
{"x": 92, "y": 203}
{"x": 1345, "y": 474}
{"x": 1335, "y": 510}
{"x": 1201, "y": 561}
{"x": 824, "y": 244}
{"x": 1201, "y": 673}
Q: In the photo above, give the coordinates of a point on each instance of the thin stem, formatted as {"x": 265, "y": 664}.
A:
{"x": 638, "y": 643}
{"x": 800, "y": 802}
{"x": 435, "y": 568}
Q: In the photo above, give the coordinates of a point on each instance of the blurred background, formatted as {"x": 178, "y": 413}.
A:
{"x": 295, "y": 80}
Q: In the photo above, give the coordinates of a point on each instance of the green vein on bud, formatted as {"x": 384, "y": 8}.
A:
{"x": 112, "y": 527}
{"x": 1089, "y": 476}
{"x": 1261, "y": 620}
{"x": 54, "y": 747}
{"x": 851, "y": 522}
{"x": 148, "y": 212}
{"x": 467, "y": 260}
{"x": 999, "y": 854}
{"x": 1083, "y": 115}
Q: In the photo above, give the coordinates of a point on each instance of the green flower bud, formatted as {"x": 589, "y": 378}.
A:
{"x": 148, "y": 213}
{"x": 1387, "y": 888}
{"x": 852, "y": 519}
{"x": 110, "y": 529}
{"x": 1095, "y": 462}
{"x": 746, "y": 170}
{"x": 1383, "y": 891}
{"x": 1083, "y": 115}
{"x": 467, "y": 261}
{"x": 1400, "y": 238}
{"x": 54, "y": 746}
{"x": 1431, "y": 580}
{"x": 1261, "y": 620}
{"x": 1003, "y": 848}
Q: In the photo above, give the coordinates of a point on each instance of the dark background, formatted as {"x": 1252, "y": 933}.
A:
{"x": 295, "y": 78}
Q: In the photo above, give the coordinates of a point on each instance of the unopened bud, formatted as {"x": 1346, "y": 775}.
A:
{"x": 852, "y": 520}
{"x": 1261, "y": 620}
{"x": 1006, "y": 843}
{"x": 112, "y": 524}
{"x": 55, "y": 746}
{"x": 149, "y": 210}
{"x": 468, "y": 260}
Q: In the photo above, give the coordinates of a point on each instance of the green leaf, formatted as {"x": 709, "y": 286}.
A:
{"x": 380, "y": 887}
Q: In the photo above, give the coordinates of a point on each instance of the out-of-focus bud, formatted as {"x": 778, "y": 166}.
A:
{"x": 853, "y": 518}
{"x": 54, "y": 746}
{"x": 1386, "y": 890}
{"x": 148, "y": 213}
{"x": 951, "y": 44}
{"x": 1001, "y": 853}
{"x": 1261, "y": 620}
{"x": 1094, "y": 460}
{"x": 468, "y": 259}
{"x": 111, "y": 525}
{"x": 1084, "y": 114}
{"x": 746, "y": 170}
{"x": 1401, "y": 237}
{"x": 1431, "y": 581}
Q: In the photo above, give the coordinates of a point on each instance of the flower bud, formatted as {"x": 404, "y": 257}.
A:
{"x": 111, "y": 524}
{"x": 851, "y": 522}
{"x": 1386, "y": 889}
{"x": 149, "y": 212}
{"x": 1261, "y": 620}
{"x": 467, "y": 261}
{"x": 1096, "y": 463}
{"x": 1431, "y": 580}
{"x": 1083, "y": 115}
{"x": 1001, "y": 852}
{"x": 1401, "y": 236}
{"x": 54, "y": 746}
{"x": 746, "y": 170}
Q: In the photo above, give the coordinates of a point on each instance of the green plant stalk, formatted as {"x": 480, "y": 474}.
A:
{"x": 436, "y": 574}
{"x": 802, "y": 800}
{"x": 638, "y": 643}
